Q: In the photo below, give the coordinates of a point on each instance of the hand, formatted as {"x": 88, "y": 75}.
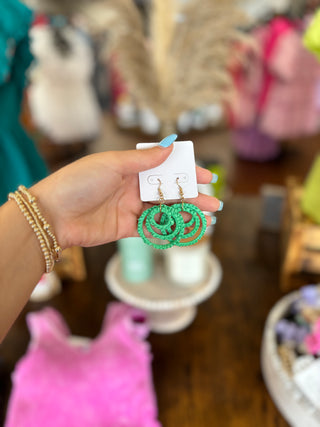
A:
{"x": 96, "y": 199}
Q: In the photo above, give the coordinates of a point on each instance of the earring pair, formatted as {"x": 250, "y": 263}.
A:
{"x": 170, "y": 224}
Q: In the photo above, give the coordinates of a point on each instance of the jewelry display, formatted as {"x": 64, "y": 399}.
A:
{"x": 171, "y": 227}
{"x": 180, "y": 224}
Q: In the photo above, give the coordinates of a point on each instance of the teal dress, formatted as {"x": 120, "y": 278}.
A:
{"x": 20, "y": 162}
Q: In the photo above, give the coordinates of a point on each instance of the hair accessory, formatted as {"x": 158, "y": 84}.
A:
{"x": 167, "y": 224}
{"x": 48, "y": 242}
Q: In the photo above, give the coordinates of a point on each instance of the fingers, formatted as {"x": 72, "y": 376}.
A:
{"x": 205, "y": 203}
{"x": 134, "y": 161}
{"x": 209, "y": 220}
{"x": 204, "y": 176}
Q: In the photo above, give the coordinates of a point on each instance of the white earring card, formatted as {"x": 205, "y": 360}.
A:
{"x": 179, "y": 165}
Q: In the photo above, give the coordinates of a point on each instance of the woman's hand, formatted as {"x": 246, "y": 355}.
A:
{"x": 96, "y": 199}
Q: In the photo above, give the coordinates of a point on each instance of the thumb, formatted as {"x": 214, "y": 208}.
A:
{"x": 134, "y": 161}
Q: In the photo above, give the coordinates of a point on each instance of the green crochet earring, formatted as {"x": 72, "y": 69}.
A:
{"x": 167, "y": 224}
{"x": 195, "y": 227}
{"x": 161, "y": 223}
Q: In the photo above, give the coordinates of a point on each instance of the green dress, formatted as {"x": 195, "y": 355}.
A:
{"x": 20, "y": 162}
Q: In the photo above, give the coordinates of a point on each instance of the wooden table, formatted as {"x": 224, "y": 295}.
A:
{"x": 208, "y": 375}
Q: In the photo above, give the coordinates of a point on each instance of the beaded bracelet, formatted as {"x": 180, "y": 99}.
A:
{"x": 30, "y": 210}
{"x": 33, "y": 201}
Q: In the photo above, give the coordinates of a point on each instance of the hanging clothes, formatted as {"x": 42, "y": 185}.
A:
{"x": 104, "y": 383}
{"x": 290, "y": 109}
{"x": 62, "y": 100}
{"x": 276, "y": 89}
{"x": 20, "y": 162}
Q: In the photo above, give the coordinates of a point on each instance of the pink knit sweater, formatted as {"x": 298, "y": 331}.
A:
{"x": 106, "y": 383}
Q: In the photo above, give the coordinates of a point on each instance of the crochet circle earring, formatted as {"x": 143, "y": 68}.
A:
{"x": 162, "y": 222}
{"x": 167, "y": 223}
{"x": 194, "y": 227}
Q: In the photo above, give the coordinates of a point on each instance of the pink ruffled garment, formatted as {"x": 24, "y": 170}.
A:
{"x": 277, "y": 87}
{"x": 290, "y": 109}
{"x": 253, "y": 79}
{"x": 252, "y": 82}
{"x": 107, "y": 383}
{"x": 248, "y": 80}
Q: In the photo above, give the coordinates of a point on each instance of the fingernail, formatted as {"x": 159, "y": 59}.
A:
{"x": 214, "y": 179}
{"x": 168, "y": 140}
{"x": 220, "y": 205}
{"x": 213, "y": 220}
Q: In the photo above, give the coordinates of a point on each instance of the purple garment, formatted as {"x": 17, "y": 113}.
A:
{"x": 251, "y": 144}
{"x": 105, "y": 384}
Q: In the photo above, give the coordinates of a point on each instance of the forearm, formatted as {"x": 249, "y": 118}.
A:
{"x": 21, "y": 264}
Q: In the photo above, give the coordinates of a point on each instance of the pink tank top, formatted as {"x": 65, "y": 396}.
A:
{"x": 107, "y": 383}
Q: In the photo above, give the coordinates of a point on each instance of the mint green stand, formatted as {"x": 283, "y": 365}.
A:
{"x": 136, "y": 260}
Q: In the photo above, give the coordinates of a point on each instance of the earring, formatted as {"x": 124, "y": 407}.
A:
{"x": 167, "y": 228}
{"x": 167, "y": 224}
{"x": 194, "y": 229}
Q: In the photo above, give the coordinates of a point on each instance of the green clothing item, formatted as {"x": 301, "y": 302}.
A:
{"x": 20, "y": 162}
{"x": 310, "y": 203}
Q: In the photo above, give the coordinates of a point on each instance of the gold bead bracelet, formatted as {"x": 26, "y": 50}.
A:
{"x": 42, "y": 230}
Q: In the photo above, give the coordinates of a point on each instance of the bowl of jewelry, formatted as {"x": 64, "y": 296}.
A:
{"x": 290, "y": 356}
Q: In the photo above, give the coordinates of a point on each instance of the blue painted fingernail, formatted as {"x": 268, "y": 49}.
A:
{"x": 220, "y": 206}
{"x": 168, "y": 140}
{"x": 213, "y": 220}
{"x": 214, "y": 179}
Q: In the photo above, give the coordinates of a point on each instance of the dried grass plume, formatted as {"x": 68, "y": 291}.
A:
{"x": 180, "y": 60}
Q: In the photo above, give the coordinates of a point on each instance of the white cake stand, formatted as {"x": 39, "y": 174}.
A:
{"x": 170, "y": 307}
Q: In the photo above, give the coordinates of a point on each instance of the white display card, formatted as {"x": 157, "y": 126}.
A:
{"x": 180, "y": 164}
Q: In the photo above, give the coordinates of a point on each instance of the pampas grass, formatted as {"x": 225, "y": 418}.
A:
{"x": 180, "y": 62}
{"x": 128, "y": 45}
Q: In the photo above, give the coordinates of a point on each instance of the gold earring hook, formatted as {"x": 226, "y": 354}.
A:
{"x": 161, "y": 196}
{"x": 180, "y": 192}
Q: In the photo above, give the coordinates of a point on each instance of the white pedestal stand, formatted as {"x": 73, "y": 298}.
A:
{"x": 170, "y": 307}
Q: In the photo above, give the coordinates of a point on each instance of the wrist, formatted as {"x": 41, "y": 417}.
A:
{"x": 28, "y": 252}
{"x": 49, "y": 208}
